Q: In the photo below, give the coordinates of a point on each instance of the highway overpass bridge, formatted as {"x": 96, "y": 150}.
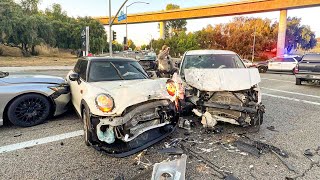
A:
{"x": 218, "y": 10}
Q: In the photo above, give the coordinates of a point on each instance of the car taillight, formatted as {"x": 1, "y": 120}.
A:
{"x": 171, "y": 87}
{"x": 296, "y": 69}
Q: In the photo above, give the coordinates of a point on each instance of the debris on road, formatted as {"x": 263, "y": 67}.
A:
{"x": 308, "y": 152}
{"x": 247, "y": 148}
{"x": 175, "y": 169}
{"x": 17, "y": 135}
{"x": 272, "y": 128}
{"x": 284, "y": 162}
{"x": 172, "y": 151}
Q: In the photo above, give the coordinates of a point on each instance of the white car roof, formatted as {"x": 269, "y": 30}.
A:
{"x": 199, "y": 52}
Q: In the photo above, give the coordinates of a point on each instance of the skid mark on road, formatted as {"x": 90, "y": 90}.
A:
{"x": 277, "y": 80}
{"x": 289, "y": 92}
{"x": 13, "y": 147}
{"x": 292, "y": 99}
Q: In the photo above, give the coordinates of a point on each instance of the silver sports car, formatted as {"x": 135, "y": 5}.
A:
{"x": 28, "y": 100}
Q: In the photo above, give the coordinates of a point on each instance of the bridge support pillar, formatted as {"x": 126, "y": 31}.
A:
{"x": 282, "y": 32}
{"x": 162, "y": 30}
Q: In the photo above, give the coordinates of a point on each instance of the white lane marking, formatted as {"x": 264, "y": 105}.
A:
{"x": 13, "y": 147}
{"x": 277, "y": 80}
{"x": 292, "y": 99}
{"x": 289, "y": 92}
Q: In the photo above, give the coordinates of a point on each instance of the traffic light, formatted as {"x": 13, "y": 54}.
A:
{"x": 114, "y": 35}
{"x": 125, "y": 40}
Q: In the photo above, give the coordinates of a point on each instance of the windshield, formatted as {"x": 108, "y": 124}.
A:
{"x": 211, "y": 61}
{"x": 115, "y": 70}
{"x": 149, "y": 58}
{"x": 3, "y": 74}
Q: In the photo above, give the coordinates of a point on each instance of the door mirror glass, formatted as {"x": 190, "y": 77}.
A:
{"x": 74, "y": 77}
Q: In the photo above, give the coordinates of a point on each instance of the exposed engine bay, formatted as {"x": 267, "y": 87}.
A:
{"x": 240, "y": 107}
{"x": 218, "y": 95}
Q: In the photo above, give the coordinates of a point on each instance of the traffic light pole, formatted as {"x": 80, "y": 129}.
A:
{"x": 111, "y": 20}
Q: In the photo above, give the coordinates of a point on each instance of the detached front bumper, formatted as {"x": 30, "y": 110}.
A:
{"x": 142, "y": 126}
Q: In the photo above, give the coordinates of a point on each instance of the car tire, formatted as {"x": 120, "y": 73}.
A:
{"x": 298, "y": 81}
{"x": 29, "y": 110}
{"x": 262, "y": 69}
{"x": 86, "y": 127}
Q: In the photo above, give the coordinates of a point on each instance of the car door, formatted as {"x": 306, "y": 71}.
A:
{"x": 78, "y": 88}
{"x": 275, "y": 64}
{"x": 288, "y": 64}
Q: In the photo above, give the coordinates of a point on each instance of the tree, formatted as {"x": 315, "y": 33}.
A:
{"x": 299, "y": 36}
{"x": 175, "y": 26}
{"x": 30, "y": 6}
{"x": 131, "y": 44}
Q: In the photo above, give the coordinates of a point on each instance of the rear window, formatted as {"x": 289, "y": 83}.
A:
{"x": 311, "y": 58}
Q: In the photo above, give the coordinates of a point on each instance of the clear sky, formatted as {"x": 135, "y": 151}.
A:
{"x": 141, "y": 33}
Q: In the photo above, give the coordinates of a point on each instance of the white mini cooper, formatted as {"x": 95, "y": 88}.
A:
{"x": 122, "y": 109}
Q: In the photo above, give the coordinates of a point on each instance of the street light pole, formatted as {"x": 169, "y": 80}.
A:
{"x": 110, "y": 29}
{"x": 127, "y": 17}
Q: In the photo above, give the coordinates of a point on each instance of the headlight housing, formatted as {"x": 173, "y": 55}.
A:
{"x": 105, "y": 102}
{"x": 171, "y": 87}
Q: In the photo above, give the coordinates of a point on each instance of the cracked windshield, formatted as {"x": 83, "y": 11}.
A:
{"x": 160, "y": 89}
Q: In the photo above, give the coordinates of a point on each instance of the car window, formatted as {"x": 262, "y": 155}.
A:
{"x": 277, "y": 60}
{"x": 115, "y": 70}
{"x": 288, "y": 60}
{"x": 311, "y": 58}
{"x": 76, "y": 68}
{"x": 83, "y": 69}
{"x": 214, "y": 61}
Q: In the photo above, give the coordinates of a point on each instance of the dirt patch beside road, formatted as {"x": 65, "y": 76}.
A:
{"x": 36, "y": 61}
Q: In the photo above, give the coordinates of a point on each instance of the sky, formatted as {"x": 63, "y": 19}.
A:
{"x": 142, "y": 33}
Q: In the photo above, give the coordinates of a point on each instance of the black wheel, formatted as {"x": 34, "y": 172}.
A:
{"x": 262, "y": 69}
{"x": 29, "y": 110}
{"x": 86, "y": 127}
{"x": 298, "y": 81}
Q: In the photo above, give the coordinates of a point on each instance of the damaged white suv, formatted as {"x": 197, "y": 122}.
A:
{"x": 122, "y": 109}
{"x": 221, "y": 88}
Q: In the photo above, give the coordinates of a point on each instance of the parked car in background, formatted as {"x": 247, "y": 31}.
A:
{"x": 123, "y": 111}
{"x": 284, "y": 64}
{"x": 28, "y": 100}
{"x": 221, "y": 88}
{"x": 308, "y": 69}
{"x": 247, "y": 63}
{"x": 148, "y": 62}
{"x": 262, "y": 66}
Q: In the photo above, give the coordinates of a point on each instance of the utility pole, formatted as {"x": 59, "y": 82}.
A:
{"x": 110, "y": 29}
{"x": 254, "y": 43}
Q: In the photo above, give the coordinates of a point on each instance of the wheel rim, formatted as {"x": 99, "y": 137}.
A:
{"x": 31, "y": 110}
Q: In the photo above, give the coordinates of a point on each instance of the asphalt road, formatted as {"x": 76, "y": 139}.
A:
{"x": 294, "y": 111}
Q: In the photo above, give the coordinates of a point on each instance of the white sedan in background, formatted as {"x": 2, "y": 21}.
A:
{"x": 285, "y": 63}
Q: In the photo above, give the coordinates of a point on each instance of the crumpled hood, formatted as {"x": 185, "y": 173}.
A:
{"x": 131, "y": 92}
{"x": 222, "y": 79}
{"x": 20, "y": 79}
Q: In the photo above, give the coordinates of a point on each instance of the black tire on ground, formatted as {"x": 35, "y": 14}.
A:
{"x": 29, "y": 110}
{"x": 298, "y": 81}
{"x": 86, "y": 127}
{"x": 262, "y": 69}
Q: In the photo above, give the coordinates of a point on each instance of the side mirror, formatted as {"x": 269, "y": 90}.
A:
{"x": 74, "y": 77}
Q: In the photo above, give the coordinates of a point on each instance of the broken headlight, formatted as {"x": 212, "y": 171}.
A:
{"x": 104, "y": 102}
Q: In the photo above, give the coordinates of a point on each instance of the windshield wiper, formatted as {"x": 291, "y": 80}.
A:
{"x": 118, "y": 72}
{"x": 3, "y": 74}
{"x": 145, "y": 76}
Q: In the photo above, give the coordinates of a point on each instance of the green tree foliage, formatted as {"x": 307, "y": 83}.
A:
{"x": 175, "y": 26}
{"x": 24, "y": 26}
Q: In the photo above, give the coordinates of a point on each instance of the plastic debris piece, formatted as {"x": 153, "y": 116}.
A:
{"x": 174, "y": 170}
{"x": 247, "y": 148}
{"x": 308, "y": 152}
{"x": 172, "y": 151}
